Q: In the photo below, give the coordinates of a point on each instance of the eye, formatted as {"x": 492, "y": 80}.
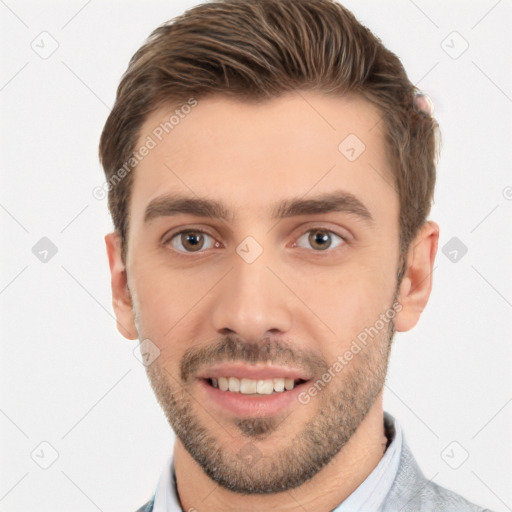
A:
{"x": 195, "y": 240}
{"x": 321, "y": 239}
{"x": 192, "y": 241}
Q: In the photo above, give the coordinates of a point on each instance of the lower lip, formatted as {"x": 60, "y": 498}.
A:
{"x": 254, "y": 406}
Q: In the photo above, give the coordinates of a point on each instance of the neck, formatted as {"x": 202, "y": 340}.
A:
{"x": 326, "y": 490}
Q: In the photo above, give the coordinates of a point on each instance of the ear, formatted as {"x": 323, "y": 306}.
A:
{"x": 121, "y": 298}
{"x": 416, "y": 285}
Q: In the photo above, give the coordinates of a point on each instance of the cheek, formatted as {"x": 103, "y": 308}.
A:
{"x": 163, "y": 297}
{"x": 349, "y": 302}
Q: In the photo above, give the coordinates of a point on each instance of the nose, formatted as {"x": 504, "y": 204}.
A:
{"x": 252, "y": 302}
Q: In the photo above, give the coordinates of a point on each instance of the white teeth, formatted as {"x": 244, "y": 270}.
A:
{"x": 253, "y": 386}
{"x": 288, "y": 383}
{"x": 223, "y": 384}
{"x": 234, "y": 384}
{"x": 248, "y": 386}
{"x": 278, "y": 385}
{"x": 265, "y": 387}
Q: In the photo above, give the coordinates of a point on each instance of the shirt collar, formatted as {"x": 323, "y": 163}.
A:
{"x": 368, "y": 496}
{"x": 166, "y": 495}
{"x": 371, "y": 493}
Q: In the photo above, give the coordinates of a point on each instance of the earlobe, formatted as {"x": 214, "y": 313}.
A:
{"x": 416, "y": 285}
{"x": 121, "y": 298}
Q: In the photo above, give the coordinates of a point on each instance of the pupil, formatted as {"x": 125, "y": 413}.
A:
{"x": 193, "y": 240}
{"x": 319, "y": 237}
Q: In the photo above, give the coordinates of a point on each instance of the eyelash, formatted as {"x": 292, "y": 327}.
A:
{"x": 321, "y": 253}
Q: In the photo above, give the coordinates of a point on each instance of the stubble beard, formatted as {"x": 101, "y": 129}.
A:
{"x": 341, "y": 407}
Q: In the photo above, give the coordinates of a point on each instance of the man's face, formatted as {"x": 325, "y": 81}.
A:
{"x": 260, "y": 295}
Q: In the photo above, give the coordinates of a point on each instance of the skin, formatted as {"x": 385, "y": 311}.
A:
{"x": 313, "y": 301}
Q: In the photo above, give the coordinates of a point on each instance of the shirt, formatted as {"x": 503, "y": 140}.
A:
{"x": 369, "y": 495}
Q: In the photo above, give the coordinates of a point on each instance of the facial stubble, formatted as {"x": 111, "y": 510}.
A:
{"x": 341, "y": 407}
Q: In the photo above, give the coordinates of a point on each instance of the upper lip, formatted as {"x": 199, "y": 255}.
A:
{"x": 256, "y": 372}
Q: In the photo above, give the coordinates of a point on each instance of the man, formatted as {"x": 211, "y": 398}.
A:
{"x": 270, "y": 171}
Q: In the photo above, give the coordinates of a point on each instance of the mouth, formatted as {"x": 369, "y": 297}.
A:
{"x": 254, "y": 387}
{"x": 249, "y": 391}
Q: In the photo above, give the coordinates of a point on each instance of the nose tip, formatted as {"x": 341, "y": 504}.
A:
{"x": 251, "y": 303}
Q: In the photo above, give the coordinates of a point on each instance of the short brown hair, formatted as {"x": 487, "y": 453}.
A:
{"x": 259, "y": 49}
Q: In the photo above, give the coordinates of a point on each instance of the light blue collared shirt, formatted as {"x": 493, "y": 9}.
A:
{"x": 368, "y": 497}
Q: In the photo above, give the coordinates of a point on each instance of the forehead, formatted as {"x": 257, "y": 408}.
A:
{"x": 250, "y": 155}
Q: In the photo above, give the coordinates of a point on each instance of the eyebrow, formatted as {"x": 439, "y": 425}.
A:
{"x": 338, "y": 201}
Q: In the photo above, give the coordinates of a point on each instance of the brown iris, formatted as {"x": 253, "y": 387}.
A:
{"x": 319, "y": 237}
{"x": 192, "y": 240}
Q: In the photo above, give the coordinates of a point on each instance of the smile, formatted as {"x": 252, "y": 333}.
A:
{"x": 241, "y": 389}
{"x": 254, "y": 386}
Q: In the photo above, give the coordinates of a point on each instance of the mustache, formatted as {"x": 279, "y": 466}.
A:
{"x": 231, "y": 348}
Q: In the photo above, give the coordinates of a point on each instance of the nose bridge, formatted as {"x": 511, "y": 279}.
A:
{"x": 250, "y": 301}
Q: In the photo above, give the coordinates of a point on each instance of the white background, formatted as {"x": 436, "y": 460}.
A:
{"x": 69, "y": 379}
